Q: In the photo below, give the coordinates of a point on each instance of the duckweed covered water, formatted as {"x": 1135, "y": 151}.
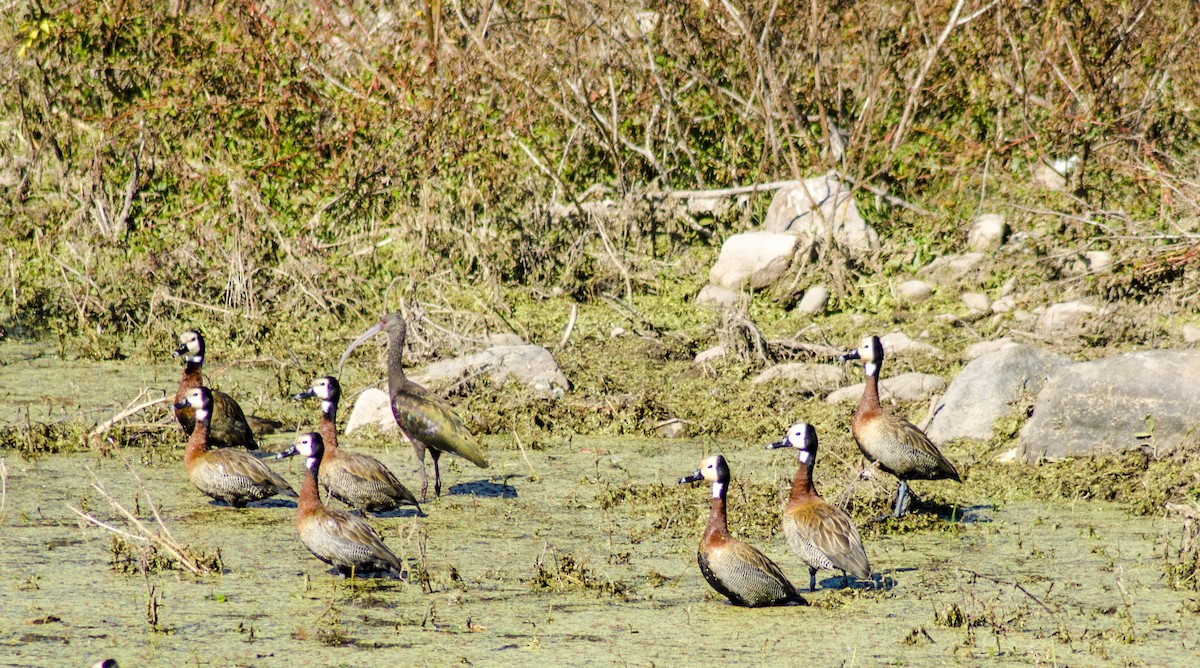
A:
{"x": 525, "y": 571}
{"x": 581, "y": 551}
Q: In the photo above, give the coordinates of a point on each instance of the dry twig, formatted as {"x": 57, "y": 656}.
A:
{"x": 130, "y": 409}
{"x": 160, "y": 538}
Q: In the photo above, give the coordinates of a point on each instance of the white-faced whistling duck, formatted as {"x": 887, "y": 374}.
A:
{"x": 336, "y": 537}
{"x": 736, "y": 570}
{"x": 230, "y": 426}
{"x": 357, "y": 480}
{"x": 424, "y": 419}
{"x": 822, "y": 534}
{"x": 233, "y": 476}
{"x": 895, "y": 444}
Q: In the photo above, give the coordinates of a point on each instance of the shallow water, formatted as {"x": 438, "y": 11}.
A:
{"x": 1076, "y": 583}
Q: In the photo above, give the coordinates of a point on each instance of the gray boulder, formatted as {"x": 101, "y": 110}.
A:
{"x": 988, "y": 232}
{"x": 802, "y": 377}
{"x": 905, "y": 387}
{"x": 372, "y": 408}
{"x": 793, "y": 209}
{"x": 814, "y": 301}
{"x": 528, "y": 364}
{"x": 988, "y": 388}
{"x": 977, "y": 350}
{"x": 898, "y": 343}
{"x": 914, "y": 291}
{"x": 717, "y": 297}
{"x": 1115, "y": 404}
{"x": 754, "y": 258}
{"x": 709, "y": 354}
{"x": 952, "y": 268}
{"x": 1066, "y": 318}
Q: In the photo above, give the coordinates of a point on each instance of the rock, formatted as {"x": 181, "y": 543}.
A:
{"x": 1065, "y": 318}
{"x": 905, "y": 387}
{"x": 952, "y": 268}
{"x": 1051, "y": 178}
{"x": 1053, "y": 175}
{"x": 528, "y": 364}
{"x": 988, "y": 233}
{"x": 1114, "y": 404}
{"x": 814, "y": 301}
{"x": 1088, "y": 263}
{"x": 707, "y": 206}
{"x": 373, "y": 407}
{"x": 1098, "y": 262}
{"x": 714, "y": 353}
{"x": 802, "y": 377}
{"x": 898, "y": 343}
{"x": 976, "y": 350}
{"x": 792, "y": 210}
{"x": 617, "y": 332}
{"x": 712, "y": 295}
{"x": 1009, "y": 456}
{"x": 1191, "y": 333}
{"x": 977, "y": 302}
{"x": 1024, "y": 317}
{"x": 913, "y": 292}
{"x": 505, "y": 339}
{"x": 671, "y": 428}
{"x": 1004, "y": 304}
{"x": 756, "y": 259}
{"x": 988, "y": 388}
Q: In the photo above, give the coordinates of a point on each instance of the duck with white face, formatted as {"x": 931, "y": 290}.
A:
{"x": 733, "y": 568}
{"x": 820, "y": 533}
{"x": 232, "y": 476}
{"x": 346, "y": 542}
{"x": 357, "y": 480}
{"x": 229, "y": 427}
{"x": 893, "y": 443}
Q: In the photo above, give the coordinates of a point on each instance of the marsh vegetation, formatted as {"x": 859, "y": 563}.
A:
{"x": 280, "y": 174}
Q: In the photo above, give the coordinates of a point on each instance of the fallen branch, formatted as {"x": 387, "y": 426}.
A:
{"x": 161, "y": 538}
{"x": 129, "y": 410}
{"x": 165, "y": 294}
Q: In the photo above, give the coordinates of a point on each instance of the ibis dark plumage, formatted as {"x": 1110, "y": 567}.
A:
{"x": 428, "y": 422}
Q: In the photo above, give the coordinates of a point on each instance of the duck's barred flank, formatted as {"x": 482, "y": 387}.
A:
{"x": 737, "y": 570}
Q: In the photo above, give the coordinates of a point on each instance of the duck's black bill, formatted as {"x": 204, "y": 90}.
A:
{"x": 781, "y": 443}
{"x": 696, "y": 476}
{"x": 307, "y": 394}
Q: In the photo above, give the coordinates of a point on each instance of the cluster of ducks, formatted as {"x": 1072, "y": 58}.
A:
{"x": 236, "y": 477}
{"x": 821, "y": 534}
